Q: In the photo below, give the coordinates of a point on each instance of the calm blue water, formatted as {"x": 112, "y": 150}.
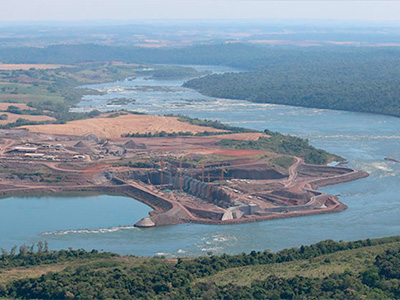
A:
{"x": 364, "y": 139}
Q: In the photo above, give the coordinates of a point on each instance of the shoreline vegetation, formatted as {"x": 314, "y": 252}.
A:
{"x": 363, "y": 269}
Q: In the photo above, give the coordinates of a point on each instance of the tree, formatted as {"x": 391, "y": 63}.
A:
{"x": 4, "y": 253}
{"x": 40, "y": 248}
{"x": 13, "y": 251}
{"x": 23, "y": 250}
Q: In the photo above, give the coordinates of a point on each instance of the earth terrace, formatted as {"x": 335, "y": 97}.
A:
{"x": 183, "y": 178}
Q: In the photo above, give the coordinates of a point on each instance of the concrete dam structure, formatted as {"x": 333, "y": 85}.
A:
{"x": 200, "y": 189}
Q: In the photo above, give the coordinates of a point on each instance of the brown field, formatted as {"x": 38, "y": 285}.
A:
{"x": 4, "y": 106}
{"x": 251, "y": 136}
{"x": 31, "y": 272}
{"x": 10, "y": 67}
{"x": 14, "y": 117}
{"x": 239, "y": 153}
{"x": 18, "y": 273}
{"x": 115, "y": 127}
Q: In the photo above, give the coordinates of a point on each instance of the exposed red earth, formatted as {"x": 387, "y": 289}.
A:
{"x": 184, "y": 179}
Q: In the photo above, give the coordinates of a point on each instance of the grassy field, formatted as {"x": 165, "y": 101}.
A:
{"x": 283, "y": 161}
{"x": 355, "y": 260}
{"x": 12, "y": 274}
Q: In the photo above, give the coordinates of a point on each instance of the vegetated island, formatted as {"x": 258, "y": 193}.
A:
{"x": 364, "y": 269}
{"x": 187, "y": 170}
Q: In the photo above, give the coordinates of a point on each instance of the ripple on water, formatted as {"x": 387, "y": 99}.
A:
{"x": 89, "y": 231}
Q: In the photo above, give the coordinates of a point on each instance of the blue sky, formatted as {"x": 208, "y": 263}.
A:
{"x": 45, "y": 10}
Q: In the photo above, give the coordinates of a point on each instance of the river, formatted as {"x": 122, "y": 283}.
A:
{"x": 363, "y": 139}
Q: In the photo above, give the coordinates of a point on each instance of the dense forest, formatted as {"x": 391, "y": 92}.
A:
{"x": 229, "y": 55}
{"x": 363, "y": 60}
{"x": 314, "y": 88}
{"x": 364, "y": 79}
{"x": 321, "y": 272}
{"x": 352, "y": 79}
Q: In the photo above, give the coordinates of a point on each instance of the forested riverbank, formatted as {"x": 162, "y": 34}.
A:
{"x": 328, "y": 269}
{"x": 363, "y": 79}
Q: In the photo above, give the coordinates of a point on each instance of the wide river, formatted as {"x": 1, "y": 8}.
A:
{"x": 105, "y": 222}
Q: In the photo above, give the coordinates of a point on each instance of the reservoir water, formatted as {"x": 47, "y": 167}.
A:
{"x": 363, "y": 139}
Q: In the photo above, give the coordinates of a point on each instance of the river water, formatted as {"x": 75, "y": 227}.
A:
{"x": 363, "y": 139}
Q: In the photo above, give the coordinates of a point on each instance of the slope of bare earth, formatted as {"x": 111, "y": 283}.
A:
{"x": 114, "y": 127}
{"x": 14, "y": 117}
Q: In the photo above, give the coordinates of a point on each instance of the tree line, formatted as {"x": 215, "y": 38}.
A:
{"x": 157, "y": 278}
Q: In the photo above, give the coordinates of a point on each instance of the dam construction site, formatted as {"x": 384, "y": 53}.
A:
{"x": 186, "y": 177}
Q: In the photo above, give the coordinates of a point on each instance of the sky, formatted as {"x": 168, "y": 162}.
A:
{"x": 52, "y": 10}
